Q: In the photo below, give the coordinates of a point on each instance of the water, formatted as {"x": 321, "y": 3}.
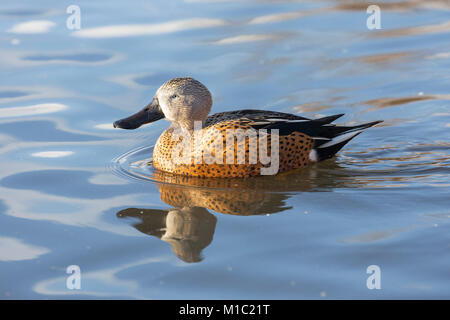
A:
{"x": 74, "y": 191}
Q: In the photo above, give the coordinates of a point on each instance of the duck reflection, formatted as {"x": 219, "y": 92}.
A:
{"x": 189, "y": 225}
{"x": 187, "y": 230}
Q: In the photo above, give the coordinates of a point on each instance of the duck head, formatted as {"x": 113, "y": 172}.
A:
{"x": 180, "y": 100}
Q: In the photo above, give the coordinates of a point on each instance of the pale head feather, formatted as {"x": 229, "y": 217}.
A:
{"x": 184, "y": 101}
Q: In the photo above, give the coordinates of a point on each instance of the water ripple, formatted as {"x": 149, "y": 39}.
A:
{"x": 378, "y": 167}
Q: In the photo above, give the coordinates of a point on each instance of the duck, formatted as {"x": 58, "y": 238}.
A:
{"x": 234, "y": 144}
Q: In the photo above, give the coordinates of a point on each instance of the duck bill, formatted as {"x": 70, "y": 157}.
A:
{"x": 150, "y": 113}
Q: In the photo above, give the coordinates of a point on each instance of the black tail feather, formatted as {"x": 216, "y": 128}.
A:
{"x": 329, "y": 152}
{"x": 329, "y": 119}
{"x": 327, "y": 149}
{"x": 332, "y": 132}
{"x": 345, "y": 129}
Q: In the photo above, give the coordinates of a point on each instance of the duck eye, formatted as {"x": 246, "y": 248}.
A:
{"x": 173, "y": 96}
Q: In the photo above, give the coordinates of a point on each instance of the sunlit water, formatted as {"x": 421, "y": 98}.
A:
{"x": 74, "y": 191}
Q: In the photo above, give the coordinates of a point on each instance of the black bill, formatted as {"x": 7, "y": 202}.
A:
{"x": 150, "y": 113}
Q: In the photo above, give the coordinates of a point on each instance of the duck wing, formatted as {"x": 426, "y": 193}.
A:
{"x": 251, "y": 114}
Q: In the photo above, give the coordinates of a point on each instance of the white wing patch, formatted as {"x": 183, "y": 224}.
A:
{"x": 321, "y": 138}
{"x": 295, "y": 121}
{"x": 313, "y": 155}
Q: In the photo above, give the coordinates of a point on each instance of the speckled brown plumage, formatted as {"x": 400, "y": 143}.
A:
{"x": 294, "y": 149}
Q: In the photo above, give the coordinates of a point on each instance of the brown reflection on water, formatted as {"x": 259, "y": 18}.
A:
{"x": 188, "y": 225}
{"x": 417, "y": 30}
{"x": 393, "y": 6}
{"x": 380, "y": 61}
{"x": 311, "y": 107}
{"x": 285, "y": 16}
{"x": 360, "y": 6}
{"x": 384, "y": 59}
{"x": 385, "y": 102}
{"x": 249, "y": 196}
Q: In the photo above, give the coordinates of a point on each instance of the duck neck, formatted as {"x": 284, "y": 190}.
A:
{"x": 189, "y": 125}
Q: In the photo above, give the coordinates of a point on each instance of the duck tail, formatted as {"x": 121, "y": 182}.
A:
{"x": 329, "y": 119}
{"x": 338, "y": 137}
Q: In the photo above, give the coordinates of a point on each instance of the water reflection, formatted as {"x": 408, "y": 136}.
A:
{"x": 417, "y": 30}
{"x": 21, "y": 12}
{"x": 148, "y": 29}
{"x": 77, "y": 57}
{"x": 12, "y": 249}
{"x": 188, "y": 226}
{"x": 41, "y": 130}
{"x": 246, "y": 38}
{"x": 343, "y": 6}
{"x": 386, "y": 102}
{"x": 153, "y": 79}
{"x": 32, "y": 27}
{"x": 51, "y": 154}
{"x": 12, "y": 94}
{"x": 188, "y": 230}
{"x": 31, "y": 110}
